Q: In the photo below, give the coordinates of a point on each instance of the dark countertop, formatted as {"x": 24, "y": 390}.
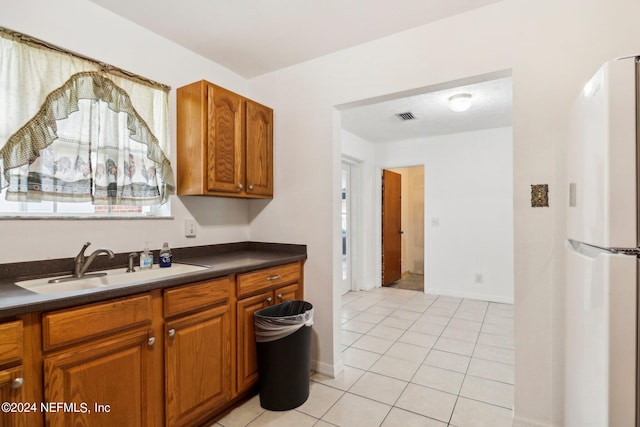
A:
{"x": 224, "y": 259}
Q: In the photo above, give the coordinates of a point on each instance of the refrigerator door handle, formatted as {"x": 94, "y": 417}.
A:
{"x": 627, "y": 251}
{"x": 591, "y": 250}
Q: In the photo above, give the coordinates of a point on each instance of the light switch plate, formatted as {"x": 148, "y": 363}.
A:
{"x": 540, "y": 196}
{"x": 190, "y": 228}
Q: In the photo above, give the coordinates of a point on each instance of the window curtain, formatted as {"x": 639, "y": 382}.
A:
{"x": 76, "y": 133}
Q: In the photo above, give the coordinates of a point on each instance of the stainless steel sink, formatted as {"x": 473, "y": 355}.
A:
{"x": 113, "y": 277}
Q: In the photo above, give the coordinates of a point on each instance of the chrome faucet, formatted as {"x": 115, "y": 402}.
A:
{"x": 82, "y": 264}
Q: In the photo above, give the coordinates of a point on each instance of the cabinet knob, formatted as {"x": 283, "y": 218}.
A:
{"x": 250, "y": 187}
{"x": 276, "y": 277}
{"x": 17, "y": 383}
{"x": 280, "y": 297}
{"x": 171, "y": 332}
{"x": 269, "y": 300}
{"x": 240, "y": 187}
{"x": 151, "y": 341}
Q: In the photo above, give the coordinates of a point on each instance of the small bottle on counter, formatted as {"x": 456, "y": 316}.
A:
{"x": 165, "y": 255}
{"x": 146, "y": 258}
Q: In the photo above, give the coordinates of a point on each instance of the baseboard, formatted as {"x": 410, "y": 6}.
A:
{"x": 330, "y": 370}
{"x": 470, "y": 295}
{"x": 521, "y": 422}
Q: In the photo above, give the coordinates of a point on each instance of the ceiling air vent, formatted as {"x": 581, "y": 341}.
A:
{"x": 406, "y": 116}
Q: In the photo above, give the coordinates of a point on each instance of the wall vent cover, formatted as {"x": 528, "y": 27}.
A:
{"x": 406, "y": 116}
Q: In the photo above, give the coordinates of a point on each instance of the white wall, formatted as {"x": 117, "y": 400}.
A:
{"x": 468, "y": 188}
{"x": 552, "y": 48}
{"x": 469, "y": 192}
{"x": 86, "y": 28}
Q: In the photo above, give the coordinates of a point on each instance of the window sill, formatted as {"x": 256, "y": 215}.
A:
{"x": 81, "y": 218}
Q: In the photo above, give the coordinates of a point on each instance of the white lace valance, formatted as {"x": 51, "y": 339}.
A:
{"x": 89, "y": 140}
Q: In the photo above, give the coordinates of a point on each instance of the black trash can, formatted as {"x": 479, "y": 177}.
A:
{"x": 283, "y": 344}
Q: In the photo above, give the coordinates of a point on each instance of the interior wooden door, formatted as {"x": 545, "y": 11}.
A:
{"x": 391, "y": 227}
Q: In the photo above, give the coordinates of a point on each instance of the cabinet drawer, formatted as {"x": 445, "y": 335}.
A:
{"x": 192, "y": 297}
{"x": 68, "y": 326}
{"x": 257, "y": 281}
{"x": 10, "y": 342}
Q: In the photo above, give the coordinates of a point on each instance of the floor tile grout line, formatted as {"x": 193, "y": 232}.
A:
{"x": 407, "y": 383}
{"x": 410, "y": 381}
{"x": 395, "y": 341}
{"x": 467, "y": 370}
{"x": 450, "y": 317}
{"x": 430, "y": 349}
{"x": 368, "y": 369}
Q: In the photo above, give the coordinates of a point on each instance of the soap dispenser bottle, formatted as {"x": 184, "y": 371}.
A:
{"x": 165, "y": 256}
{"x": 146, "y": 258}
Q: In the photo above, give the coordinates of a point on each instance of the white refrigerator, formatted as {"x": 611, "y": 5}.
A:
{"x": 601, "y": 326}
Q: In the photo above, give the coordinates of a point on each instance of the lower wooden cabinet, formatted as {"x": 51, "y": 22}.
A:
{"x": 11, "y": 392}
{"x": 15, "y": 385}
{"x": 173, "y": 357}
{"x": 103, "y": 384}
{"x": 197, "y": 365}
{"x": 247, "y": 371}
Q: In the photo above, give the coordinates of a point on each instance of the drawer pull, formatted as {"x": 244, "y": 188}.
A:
{"x": 276, "y": 277}
{"x": 280, "y": 297}
{"x": 269, "y": 300}
{"x": 171, "y": 332}
{"x": 151, "y": 341}
{"x": 17, "y": 383}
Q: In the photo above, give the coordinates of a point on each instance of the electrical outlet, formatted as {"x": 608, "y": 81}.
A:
{"x": 435, "y": 222}
{"x": 190, "y": 228}
{"x": 478, "y": 278}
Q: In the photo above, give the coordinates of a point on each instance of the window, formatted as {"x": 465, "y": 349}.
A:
{"x": 78, "y": 140}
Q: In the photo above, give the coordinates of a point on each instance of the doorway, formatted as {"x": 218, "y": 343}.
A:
{"x": 346, "y": 212}
{"x": 402, "y": 227}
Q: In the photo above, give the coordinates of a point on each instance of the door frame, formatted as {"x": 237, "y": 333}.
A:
{"x": 354, "y": 237}
{"x": 378, "y": 220}
{"x": 346, "y": 284}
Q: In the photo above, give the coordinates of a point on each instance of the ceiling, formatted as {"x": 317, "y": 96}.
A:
{"x": 254, "y": 37}
{"x": 491, "y": 107}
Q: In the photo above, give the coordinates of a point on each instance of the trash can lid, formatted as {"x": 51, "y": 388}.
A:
{"x": 280, "y": 320}
{"x": 285, "y": 309}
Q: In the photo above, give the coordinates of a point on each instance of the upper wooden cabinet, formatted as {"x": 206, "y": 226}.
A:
{"x": 225, "y": 143}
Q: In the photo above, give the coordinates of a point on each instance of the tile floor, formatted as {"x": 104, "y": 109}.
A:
{"x": 410, "y": 359}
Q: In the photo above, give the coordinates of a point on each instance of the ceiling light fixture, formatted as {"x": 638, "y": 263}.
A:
{"x": 460, "y": 102}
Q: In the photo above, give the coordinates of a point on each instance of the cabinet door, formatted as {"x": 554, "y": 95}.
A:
{"x": 11, "y": 391}
{"x": 225, "y": 152}
{"x": 103, "y": 384}
{"x": 259, "y": 149}
{"x": 197, "y": 365}
{"x": 247, "y": 360}
{"x": 286, "y": 293}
